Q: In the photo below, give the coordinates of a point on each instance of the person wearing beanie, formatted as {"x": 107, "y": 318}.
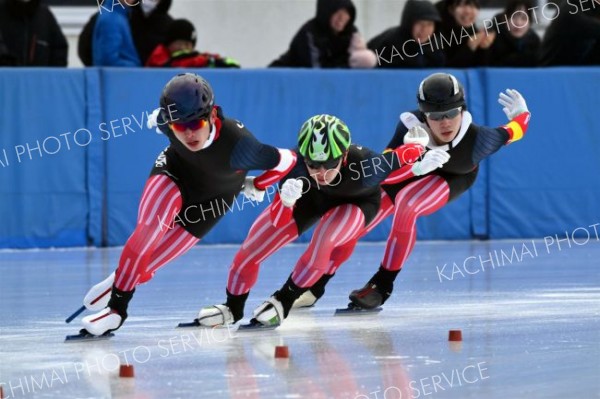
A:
{"x": 329, "y": 40}
{"x": 409, "y": 44}
{"x": 178, "y": 50}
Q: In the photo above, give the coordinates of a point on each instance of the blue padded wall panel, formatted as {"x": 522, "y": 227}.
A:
{"x": 42, "y": 175}
{"x": 548, "y": 182}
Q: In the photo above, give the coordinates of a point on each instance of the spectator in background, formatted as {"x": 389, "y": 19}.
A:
{"x": 406, "y": 46}
{"x": 84, "y": 42}
{"x": 516, "y": 44}
{"x": 149, "y": 23}
{"x": 329, "y": 40}
{"x": 31, "y": 35}
{"x": 442, "y": 7}
{"x": 573, "y": 37}
{"x": 6, "y": 58}
{"x": 112, "y": 43}
{"x": 463, "y": 44}
{"x": 178, "y": 50}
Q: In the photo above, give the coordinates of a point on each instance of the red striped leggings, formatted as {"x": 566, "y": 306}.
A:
{"x": 419, "y": 198}
{"x": 156, "y": 240}
{"x": 338, "y": 226}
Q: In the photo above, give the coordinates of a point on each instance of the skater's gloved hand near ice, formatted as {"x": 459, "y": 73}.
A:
{"x": 513, "y": 102}
{"x": 290, "y": 192}
{"x": 207, "y": 160}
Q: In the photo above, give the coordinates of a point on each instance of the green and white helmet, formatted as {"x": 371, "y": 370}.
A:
{"x": 323, "y": 138}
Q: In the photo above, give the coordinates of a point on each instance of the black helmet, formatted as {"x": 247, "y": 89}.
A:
{"x": 186, "y": 97}
{"x": 440, "y": 92}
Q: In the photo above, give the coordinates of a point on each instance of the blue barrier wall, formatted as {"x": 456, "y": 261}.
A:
{"x": 44, "y": 198}
{"x": 86, "y": 191}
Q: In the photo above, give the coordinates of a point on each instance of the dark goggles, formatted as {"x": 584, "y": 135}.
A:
{"x": 438, "y": 116}
{"x": 192, "y": 125}
{"x": 330, "y": 164}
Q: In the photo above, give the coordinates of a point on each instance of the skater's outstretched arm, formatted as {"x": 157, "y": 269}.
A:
{"x": 489, "y": 140}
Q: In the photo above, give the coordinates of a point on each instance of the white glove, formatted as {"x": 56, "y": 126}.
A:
{"x": 251, "y": 192}
{"x": 291, "y": 191}
{"x": 513, "y": 103}
{"x": 417, "y": 135}
{"x": 432, "y": 160}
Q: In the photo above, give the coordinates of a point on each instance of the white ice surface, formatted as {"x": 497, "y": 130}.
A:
{"x": 530, "y": 328}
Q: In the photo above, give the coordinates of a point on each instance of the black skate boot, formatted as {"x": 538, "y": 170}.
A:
{"x": 236, "y": 304}
{"x": 311, "y": 296}
{"x": 376, "y": 291}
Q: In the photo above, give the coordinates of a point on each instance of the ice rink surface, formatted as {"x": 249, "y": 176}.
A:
{"x": 528, "y": 311}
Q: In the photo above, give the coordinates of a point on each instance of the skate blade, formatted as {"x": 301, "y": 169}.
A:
{"x": 86, "y": 336}
{"x": 356, "y": 311}
{"x": 196, "y": 324}
{"x": 254, "y": 325}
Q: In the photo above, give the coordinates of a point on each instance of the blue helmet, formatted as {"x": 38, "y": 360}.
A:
{"x": 185, "y": 98}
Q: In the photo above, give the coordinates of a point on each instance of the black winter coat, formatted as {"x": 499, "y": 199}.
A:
{"x": 149, "y": 31}
{"x": 573, "y": 38}
{"x": 315, "y": 45}
{"x": 31, "y": 35}
{"x": 396, "y": 48}
{"x": 510, "y": 51}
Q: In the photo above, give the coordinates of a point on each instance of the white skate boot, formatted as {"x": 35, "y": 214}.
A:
{"x": 102, "y": 322}
{"x": 306, "y": 300}
{"x": 270, "y": 313}
{"x": 217, "y": 315}
{"x": 112, "y": 316}
{"x": 98, "y": 296}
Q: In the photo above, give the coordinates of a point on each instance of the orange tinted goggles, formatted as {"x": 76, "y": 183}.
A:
{"x": 192, "y": 125}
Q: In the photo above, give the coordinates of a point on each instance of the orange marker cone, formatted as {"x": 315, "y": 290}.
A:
{"x": 282, "y": 352}
{"x": 126, "y": 371}
{"x": 455, "y": 335}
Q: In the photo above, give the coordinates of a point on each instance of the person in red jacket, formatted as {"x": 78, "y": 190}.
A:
{"x": 178, "y": 50}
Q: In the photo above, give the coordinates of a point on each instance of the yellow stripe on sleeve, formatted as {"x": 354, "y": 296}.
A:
{"x": 516, "y": 130}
